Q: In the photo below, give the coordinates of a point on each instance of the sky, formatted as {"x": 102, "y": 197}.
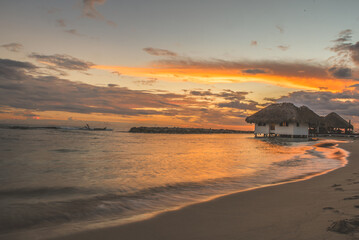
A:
{"x": 176, "y": 63}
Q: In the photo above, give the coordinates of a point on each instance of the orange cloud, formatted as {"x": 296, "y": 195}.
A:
{"x": 294, "y": 75}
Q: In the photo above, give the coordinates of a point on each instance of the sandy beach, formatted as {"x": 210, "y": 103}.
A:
{"x": 297, "y": 210}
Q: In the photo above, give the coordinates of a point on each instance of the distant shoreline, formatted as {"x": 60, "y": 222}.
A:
{"x": 177, "y": 130}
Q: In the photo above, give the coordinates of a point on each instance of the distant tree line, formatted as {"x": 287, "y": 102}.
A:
{"x": 177, "y": 130}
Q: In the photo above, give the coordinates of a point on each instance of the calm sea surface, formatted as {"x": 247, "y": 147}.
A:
{"x": 58, "y": 181}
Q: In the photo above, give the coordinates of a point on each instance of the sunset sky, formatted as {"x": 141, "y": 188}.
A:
{"x": 176, "y": 63}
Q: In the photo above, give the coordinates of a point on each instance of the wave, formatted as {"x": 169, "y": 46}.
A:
{"x": 92, "y": 204}
{"x": 67, "y": 150}
{"x": 290, "y": 163}
{"x": 43, "y": 191}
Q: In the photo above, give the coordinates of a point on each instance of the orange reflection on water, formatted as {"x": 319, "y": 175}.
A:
{"x": 170, "y": 159}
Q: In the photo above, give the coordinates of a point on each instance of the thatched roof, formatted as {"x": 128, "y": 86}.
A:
{"x": 333, "y": 120}
{"x": 284, "y": 112}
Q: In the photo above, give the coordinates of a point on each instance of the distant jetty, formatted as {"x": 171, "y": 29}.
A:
{"x": 177, "y": 130}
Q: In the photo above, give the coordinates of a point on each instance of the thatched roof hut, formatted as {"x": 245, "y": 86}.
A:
{"x": 333, "y": 120}
{"x": 284, "y": 112}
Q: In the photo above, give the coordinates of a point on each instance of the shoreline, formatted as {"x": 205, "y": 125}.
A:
{"x": 300, "y": 209}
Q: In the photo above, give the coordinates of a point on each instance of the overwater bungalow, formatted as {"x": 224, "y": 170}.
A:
{"x": 333, "y": 123}
{"x": 284, "y": 120}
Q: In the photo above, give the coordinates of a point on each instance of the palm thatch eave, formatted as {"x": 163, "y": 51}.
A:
{"x": 333, "y": 120}
{"x": 284, "y": 112}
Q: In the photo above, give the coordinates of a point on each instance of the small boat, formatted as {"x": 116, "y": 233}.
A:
{"x": 100, "y": 129}
{"x": 87, "y": 127}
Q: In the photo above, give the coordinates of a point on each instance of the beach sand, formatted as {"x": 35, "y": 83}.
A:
{"x": 297, "y": 210}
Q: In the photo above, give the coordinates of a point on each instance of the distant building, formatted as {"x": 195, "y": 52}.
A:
{"x": 285, "y": 120}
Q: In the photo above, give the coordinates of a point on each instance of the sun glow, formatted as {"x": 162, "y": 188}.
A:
{"x": 352, "y": 100}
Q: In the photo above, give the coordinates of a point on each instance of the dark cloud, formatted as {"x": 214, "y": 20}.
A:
{"x": 159, "y": 52}
{"x": 16, "y": 64}
{"x": 202, "y": 93}
{"x": 236, "y": 100}
{"x": 251, "y": 105}
{"x": 344, "y": 36}
{"x": 14, "y": 70}
{"x": 345, "y": 49}
{"x": 232, "y": 95}
{"x": 233, "y": 99}
{"x": 283, "y": 47}
{"x": 63, "y": 61}
{"x": 112, "y": 85}
{"x": 340, "y": 72}
{"x": 355, "y": 86}
{"x": 226, "y": 94}
{"x": 344, "y": 103}
{"x": 254, "y": 71}
{"x": 13, "y": 47}
{"x": 355, "y": 52}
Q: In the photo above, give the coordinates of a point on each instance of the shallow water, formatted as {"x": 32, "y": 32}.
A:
{"x": 65, "y": 180}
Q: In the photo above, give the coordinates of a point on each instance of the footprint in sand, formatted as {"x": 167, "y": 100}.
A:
{"x": 331, "y": 209}
{"x": 336, "y": 185}
{"x": 345, "y": 226}
{"x": 339, "y": 189}
{"x": 352, "y": 197}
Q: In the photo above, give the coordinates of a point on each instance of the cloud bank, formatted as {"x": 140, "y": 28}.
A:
{"x": 24, "y": 87}
{"x": 345, "y": 103}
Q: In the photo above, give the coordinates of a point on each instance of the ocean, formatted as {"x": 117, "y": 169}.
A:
{"x": 61, "y": 180}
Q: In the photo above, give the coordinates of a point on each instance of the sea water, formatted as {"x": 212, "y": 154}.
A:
{"x": 62, "y": 180}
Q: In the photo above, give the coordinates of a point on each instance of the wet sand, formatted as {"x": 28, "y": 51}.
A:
{"x": 323, "y": 207}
